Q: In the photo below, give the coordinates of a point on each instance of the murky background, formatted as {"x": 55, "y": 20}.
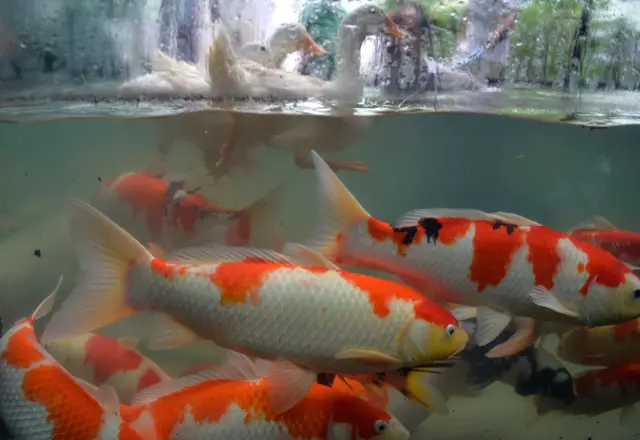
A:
{"x": 554, "y": 173}
{"x": 69, "y": 127}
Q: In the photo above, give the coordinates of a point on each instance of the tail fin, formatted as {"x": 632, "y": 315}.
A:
{"x": 222, "y": 61}
{"x": 338, "y": 210}
{"x": 264, "y": 217}
{"x": 105, "y": 252}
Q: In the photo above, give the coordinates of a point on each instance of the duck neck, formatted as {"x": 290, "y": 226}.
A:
{"x": 277, "y": 58}
{"x": 350, "y": 39}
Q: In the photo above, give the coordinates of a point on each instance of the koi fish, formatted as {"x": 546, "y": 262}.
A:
{"x": 231, "y": 401}
{"x": 602, "y": 346}
{"x": 502, "y": 263}
{"x": 40, "y": 400}
{"x": 161, "y": 211}
{"x": 99, "y": 359}
{"x": 599, "y": 231}
{"x": 257, "y": 302}
{"x": 600, "y": 391}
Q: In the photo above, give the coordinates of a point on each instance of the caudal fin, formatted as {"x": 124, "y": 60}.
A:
{"x": 105, "y": 253}
{"x": 338, "y": 210}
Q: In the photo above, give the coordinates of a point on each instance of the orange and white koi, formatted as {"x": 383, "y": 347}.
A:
{"x": 502, "y": 263}
{"x": 599, "y": 231}
{"x": 602, "y": 346}
{"x": 40, "y": 400}
{"x": 600, "y": 391}
{"x": 231, "y": 401}
{"x": 99, "y": 359}
{"x": 257, "y": 302}
{"x": 161, "y": 211}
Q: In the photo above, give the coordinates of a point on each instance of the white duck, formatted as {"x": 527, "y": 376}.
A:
{"x": 230, "y": 77}
{"x": 286, "y": 39}
{"x": 170, "y": 77}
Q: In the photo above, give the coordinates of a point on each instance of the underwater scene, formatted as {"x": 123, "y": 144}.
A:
{"x": 319, "y": 220}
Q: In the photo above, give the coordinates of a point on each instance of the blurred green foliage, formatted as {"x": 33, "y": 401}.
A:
{"x": 543, "y": 40}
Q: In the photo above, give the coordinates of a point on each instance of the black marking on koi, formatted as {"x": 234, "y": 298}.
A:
{"x": 431, "y": 228}
{"x": 508, "y": 226}
{"x": 409, "y": 232}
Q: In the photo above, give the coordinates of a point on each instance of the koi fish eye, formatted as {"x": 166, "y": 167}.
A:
{"x": 380, "y": 426}
{"x": 636, "y": 294}
{"x": 450, "y": 330}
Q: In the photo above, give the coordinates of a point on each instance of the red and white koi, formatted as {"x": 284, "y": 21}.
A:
{"x": 260, "y": 303}
{"x": 602, "y": 346}
{"x": 99, "y": 359}
{"x": 40, "y": 400}
{"x": 161, "y": 211}
{"x": 599, "y": 231}
{"x": 502, "y": 263}
{"x": 600, "y": 391}
{"x": 231, "y": 401}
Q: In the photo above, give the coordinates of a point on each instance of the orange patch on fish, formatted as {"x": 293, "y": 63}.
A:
{"x": 108, "y": 357}
{"x": 167, "y": 270}
{"x": 602, "y": 267}
{"x": 624, "y": 376}
{"x": 494, "y": 246}
{"x": 627, "y": 330}
{"x": 241, "y": 282}
{"x": 19, "y": 352}
{"x": 149, "y": 377}
{"x": 543, "y": 255}
{"x": 450, "y": 231}
{"x": 65, "y": 401}
{"x": 146, "y": 194}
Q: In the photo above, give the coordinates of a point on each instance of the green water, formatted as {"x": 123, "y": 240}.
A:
{"x": 557, "y": 174}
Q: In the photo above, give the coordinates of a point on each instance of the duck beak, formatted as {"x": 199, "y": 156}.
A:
{"x": 393, "y": 30}
{"x": 310, "y": 46}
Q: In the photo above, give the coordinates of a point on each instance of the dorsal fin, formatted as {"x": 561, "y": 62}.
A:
{"x": 515, "y": 219}
{"x": 222, "y": 254}
{"x": 596, "y": 222}
{"x": 412, "y": 217}
{"x": 236, "y": 366}
{"x": 306, "y": 256}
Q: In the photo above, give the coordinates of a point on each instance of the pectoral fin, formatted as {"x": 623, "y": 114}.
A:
{"x": 288, "y": 384}
{"x": 544, "y": 298}
{"x": 368, "y": 356}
